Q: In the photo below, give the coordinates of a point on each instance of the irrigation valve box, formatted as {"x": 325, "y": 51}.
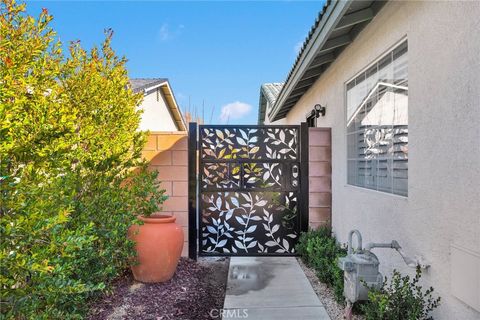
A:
{"x": 360, "y": 274}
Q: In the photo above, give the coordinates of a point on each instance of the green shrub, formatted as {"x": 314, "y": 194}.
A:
{"x": 71, "y": 177}
{"x": 402, "y": 299}
{"x": 337, "y": 280}
{"x": 320, "y": 251}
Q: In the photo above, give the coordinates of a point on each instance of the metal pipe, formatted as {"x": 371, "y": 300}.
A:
{"x": 393, "y": 245}
{"x": 349, "y": 310}
{"x": 413, "y": 263}
{"x": 359, "y": 241}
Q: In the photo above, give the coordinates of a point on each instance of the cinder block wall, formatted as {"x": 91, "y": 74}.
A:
{"x": 167, "y": 152}
{"x": 320, "y": 177}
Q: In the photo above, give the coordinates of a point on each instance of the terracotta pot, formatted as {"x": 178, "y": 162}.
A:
{"x": 159, "y": 243}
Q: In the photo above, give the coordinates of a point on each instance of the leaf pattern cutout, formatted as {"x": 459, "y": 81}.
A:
{"x": 220, "y": 175}
{"x": 248, "y": 222}
{"x": 263, "y": 175}
{"x": 249, "y": 143}
{"x": 246, "y": 205}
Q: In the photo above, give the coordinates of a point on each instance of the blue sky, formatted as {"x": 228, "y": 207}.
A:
{"x": 217, "y": 52}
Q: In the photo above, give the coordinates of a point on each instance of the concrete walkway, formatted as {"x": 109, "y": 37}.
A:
{"x": 270, "y": 288}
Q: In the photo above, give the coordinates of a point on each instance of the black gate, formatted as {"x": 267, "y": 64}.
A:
{"x": 249, "y": 193}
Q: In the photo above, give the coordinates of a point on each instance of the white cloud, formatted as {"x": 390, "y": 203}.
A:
{"x": 234, "y": 110}
{"x": 298, "y": 47}
{"x": 166, "y": 33}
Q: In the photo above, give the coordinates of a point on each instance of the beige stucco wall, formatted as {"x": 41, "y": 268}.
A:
{"x": 156, "y": 116}
{"x": 267, "y": 120}
{"x": 443, "y": 206}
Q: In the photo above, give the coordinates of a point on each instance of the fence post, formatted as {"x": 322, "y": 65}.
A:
{"x": 304, "y": 177}
{"x": 192, "y": 191}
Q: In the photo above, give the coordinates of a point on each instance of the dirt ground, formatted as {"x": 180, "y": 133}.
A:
{"x": 195, "y": 289}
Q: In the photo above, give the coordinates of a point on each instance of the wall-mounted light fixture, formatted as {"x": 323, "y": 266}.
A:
{"x": 319, "y": 110}
{"x": 314, "y": 114}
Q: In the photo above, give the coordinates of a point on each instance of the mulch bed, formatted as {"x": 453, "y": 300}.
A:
{"x": 195, "y": 289}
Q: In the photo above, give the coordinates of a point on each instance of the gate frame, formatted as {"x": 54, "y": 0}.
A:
{"x": 193, "y": 185}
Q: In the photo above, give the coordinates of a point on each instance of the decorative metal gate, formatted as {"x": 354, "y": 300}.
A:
{"x": 251, "y": 194}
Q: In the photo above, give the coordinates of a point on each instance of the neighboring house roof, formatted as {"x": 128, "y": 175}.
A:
{"x": 139, "y": 84}
{"x": 147, "y": 85}
{"x": 268, "y": 93}
{"x": 336, "y": 26}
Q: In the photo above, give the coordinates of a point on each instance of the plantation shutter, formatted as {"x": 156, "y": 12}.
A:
{"x": 377, "y": 125}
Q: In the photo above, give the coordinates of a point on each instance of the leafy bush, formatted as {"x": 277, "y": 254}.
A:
{"x": 402, "y": 299}
{"x": 320, "y": 251}
{"x": 71, "y": 178}
{"x": 337, "y": 280}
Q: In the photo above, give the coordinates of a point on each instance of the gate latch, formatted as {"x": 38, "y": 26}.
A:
{"x": 295, "y": 174}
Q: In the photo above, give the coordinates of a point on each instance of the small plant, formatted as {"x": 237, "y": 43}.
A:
{"x": 337, "y": 280}
{"x": 320, "y": 251}
{"x": 402, "y": 299}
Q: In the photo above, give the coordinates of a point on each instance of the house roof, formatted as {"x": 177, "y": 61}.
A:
{"x": 336, "y": 26}
{"x": 139, "y": 84}
{"x": 147, "y": 85}
{"x": 271, "y": 90}
{"x": 268, "y": 93}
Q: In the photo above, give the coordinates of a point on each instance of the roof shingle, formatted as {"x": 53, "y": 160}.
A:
{"x": 139, "y": 84}
{"x": 271, "y": 91}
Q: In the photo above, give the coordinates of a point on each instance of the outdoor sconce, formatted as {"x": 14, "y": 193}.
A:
{"x": 319, "y": 110}
{"x": 314, "y": 114}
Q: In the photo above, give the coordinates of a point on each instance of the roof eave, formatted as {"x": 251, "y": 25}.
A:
{"x": 262, "y": 106}
{"x": 336, "y": 27}
{"x": 267, "y": 96}
{"x": 334, "y": 12}
{"x": 172, "y": 105}
{"x": 155, "y": 86}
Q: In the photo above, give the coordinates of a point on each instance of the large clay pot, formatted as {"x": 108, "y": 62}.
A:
{"x": 159, "y": 243}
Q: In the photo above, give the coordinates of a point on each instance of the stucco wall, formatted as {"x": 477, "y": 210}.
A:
{"x": 443, "y": 207}
{"x": 156, "y": 116}
{"x": 278, "y": 122}
{"x": 267, "y": 121}
{"x": 167, "y": 153}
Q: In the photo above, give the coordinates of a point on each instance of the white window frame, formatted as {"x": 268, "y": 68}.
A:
{"x": 357, "y": 74}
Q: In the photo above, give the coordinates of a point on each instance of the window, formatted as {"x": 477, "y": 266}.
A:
{"x": 377, "y": 125}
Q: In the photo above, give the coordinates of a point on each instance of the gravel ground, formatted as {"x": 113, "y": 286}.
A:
{"x": 195, "y": 289}
{"x": 326, "y": 296}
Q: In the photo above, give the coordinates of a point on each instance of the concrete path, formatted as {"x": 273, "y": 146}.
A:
{"x": 270, "y": 288}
